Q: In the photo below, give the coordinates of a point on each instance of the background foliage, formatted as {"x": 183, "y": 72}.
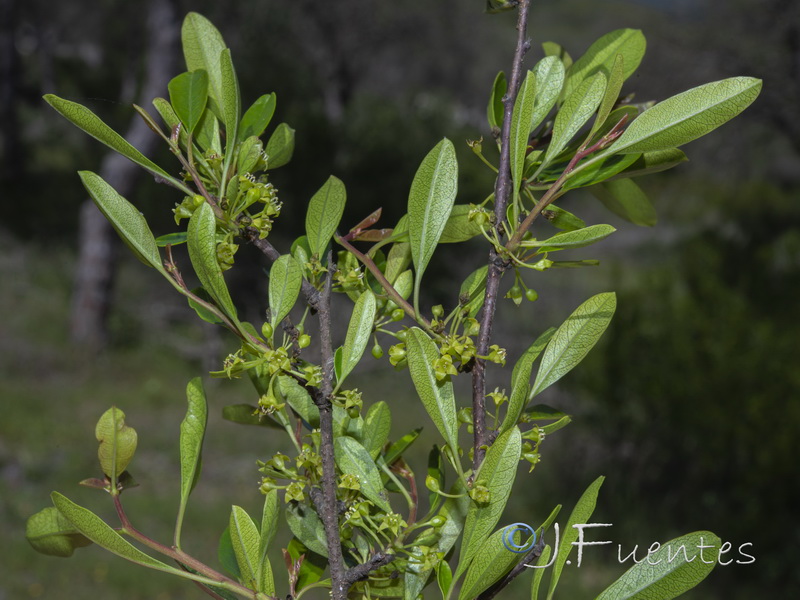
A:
{"x": 689, "y": 404}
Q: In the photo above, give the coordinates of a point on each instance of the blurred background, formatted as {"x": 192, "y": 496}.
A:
{"x": 689, "y": 405}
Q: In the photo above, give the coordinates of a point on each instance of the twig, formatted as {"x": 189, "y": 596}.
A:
{"x": 329, "y": 513}
{"x": 497, "y": 264}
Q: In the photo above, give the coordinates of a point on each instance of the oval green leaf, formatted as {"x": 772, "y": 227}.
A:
{"x": 521, "y": 126}
{"x": 193, "y": 430}
{"x": 202, "y": 243}
{"x": 687, "y": 116}
{"x": 377, "y": 425}
{"x": 549, "y": 74}
{"x": 117, "y": 442}
{"x": 280, "y": 146}
{"x": 358, "y": 332}
{"x": 85, "y": 119}
{"x": 125, "y": 218}
{"x": 575, "y": 112}
{"x": 49, "y": 532}
{"x": 497, "y": 473}
{"x": 202, "y": 47}
{"x": 458, "y": 227}
{"x": 437, "y": 396}
{"x": 307, "y": 527}
{"x": 572, "y": 239}
{"x": 521, "y": 378}
{"x": 353, "y": 459}
{"x": 626, "y": 199}
{"x": 98, "y": 531}
{"x": 495, "y": 108}
{"x": 324, "y": 213}
{"x": 432, "y": 195}
{"x": 676, "y": 567}
{"x": 574, "y": 338}
{"x": 245, "y": 539}
{"x": 601, "y": 55}
{"x": 188, "y": 94}
{"x": 256, "y": 119}
{"x": 285, "y": 281}
{"x": 496, "y": 560}
{"x": 580, "y": 515}
{"x": 231, "y": 102}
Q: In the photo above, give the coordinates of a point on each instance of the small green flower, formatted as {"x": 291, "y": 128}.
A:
{"x": 480, "y": 494}
{"x": 348, "y": 481}
{"x": 295, "y": 492}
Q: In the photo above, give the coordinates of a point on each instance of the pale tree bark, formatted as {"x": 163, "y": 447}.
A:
{"x": 94, "y": 276}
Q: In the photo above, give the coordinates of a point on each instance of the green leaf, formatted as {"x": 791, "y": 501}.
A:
{"x": 99, "y": 532}
{"x": 553, "y": 49}
{"x": 520, "y": 380}
{"x": 539, "y": 573}
{"x": 117, "y": 442}
{"x": 687, "y": 116}
{"x": 616, "y": 77}
{"x": 188, "y": 94}
{"x": 202, "y": 243}
{"x": 377, "y": 425}
{"x": 676, "y": 567}
{"x": 496, "y": 108}
{"x": 269, "y": 523}
{"x": 202, "y": 47}
{"x": 580, "y": 515}
{"x": 444, "y": 577}
{"x": 437, "y": 396}
{"x": 247, "y": 414}
{"x": 574, "y": 338}
{"x": 601, "y": 55}
{"x": 473, "y": 290}
{"x": 496, "y": 560}
{"x": 497, "y": 472}
{"x": 85, "y": 119}
{"x": 396, "y": 450}
{"x": 563, "y": 219}
{"x": 245, "y": 538}
{"x": 358, "y": 332}
{"x": 549, "y": 74}
{"x": 249, "y": 154}
{"x": 653, "y": 162}
{"x": 280, "y": 146}
{"x": 324, "y": 213}
{"x": 626, "y": 200}
{"x": 299, "y": 399}
{"x": 203, "y": 312}
{"x": 560, "y": 424}
{"x": 575, "y": 112}
{"x": 307, "y": 527}
{"x": 458, "y": 227}
{"x": 521, "y": 126}
{"x": 49, "y": 532}
{"x": 207, "y": 133}
{"x": 430, "y": 201}
{"x": 285, "y": 280}
{"x": 257, "y": 118}
{"x": 542, "y": 412}
{"x": 125, "y": 218}
{"x": 225, "y": 554}
{"x": 601, "y": 170}
{"x": 193, "y": 429}
{"x": 231, "y": 103}
{"x": 572, "y": 239}
{"x": 171, "y": 239}
{"x": 353, "y": 459}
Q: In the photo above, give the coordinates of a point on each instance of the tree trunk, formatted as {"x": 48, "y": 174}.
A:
{"x": 94, "y": 276}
